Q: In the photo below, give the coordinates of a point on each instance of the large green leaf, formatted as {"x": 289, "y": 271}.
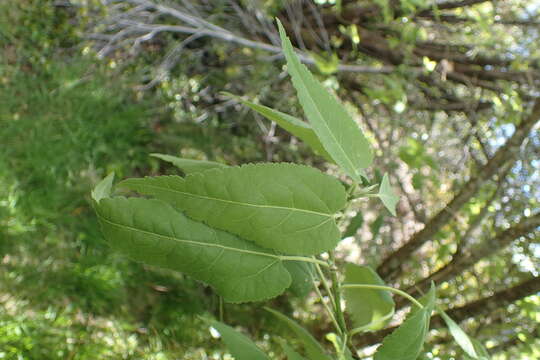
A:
{"x": 387, "y": 195}
{"x": 337, "y": 131}
{"x": 301, "y": 274}
{"x": 189, "y": 166}
{"x": 152, "y": 232}
{"x": 285, "y": 207}
{"x": 296, "y": 127}
{"x": 406, "y": 342}
{"x": 313, "y": 349}
{"x": 241, "y": 347}
{"x": 459, "y": 335}
{"x": 291, "y": 354}
{"x": 370, "y": 309}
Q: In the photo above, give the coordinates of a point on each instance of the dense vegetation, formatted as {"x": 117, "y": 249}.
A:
{"x": 444, "y": 92}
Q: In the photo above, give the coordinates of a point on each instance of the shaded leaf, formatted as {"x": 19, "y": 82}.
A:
{"x": 337, "y": 131}
{"x": 296, "y": 127}
{"x": 189, "y": 166}
{"x": 369, "y": 308}
{"x": 291, "y": 354}
{"x": 285, "y": 207}
{"x": 301, "y": 274}
{"x": 152, "y": 232}
{"x": 387, "y": 195}
{"x": 356, "y": 223}
{"x": 240, "y": 346}
{"x": 406, "y": 342}
{"x": 103, "y": 188}
{"x": 313, "y": 349}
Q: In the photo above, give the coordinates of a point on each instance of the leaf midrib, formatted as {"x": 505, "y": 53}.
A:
{"x": 191, "y": 242}
{"x": 239, "y": 203}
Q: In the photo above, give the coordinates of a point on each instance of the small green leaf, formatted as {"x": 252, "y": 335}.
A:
{"x": 296, "y": 127}
{"x": 459, "y": 335}
{"x": 281, "y": 206}
{"x": 370, "y": 309}
{"x": 291, "y": 354}
{"x": 103, "y": 188}
{"x": 301, "y": 274}
{"x": 189, "y": 166}
{"x": 313, "y": 349}
{"x": 337, "y": 131}
{"x": 406, "y": 342}
{"x": 241, "y": 347}
{"x": 387, "y": 195}
{"x": 480, "y": 349}
{"x": 343, "y": 351}
{"x": 152, "y": 232}
{"x": 356, "y": 223}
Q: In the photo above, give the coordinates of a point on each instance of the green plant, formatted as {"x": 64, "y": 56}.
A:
{"x": 253, "y": 231}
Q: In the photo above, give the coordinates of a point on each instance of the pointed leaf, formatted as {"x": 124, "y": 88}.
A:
{"x": 152, "y": 232}
{"x": 459, "y": 335}
{"x": 356, "y": 223}
{"x": 301, "y": 274}
{"x": 296, "y": 127}
{"x": 189, "y": 166}
{"x": 241, "y": 347}
{"x": 406, "y": 342}
{"x": 285, "y": 207}
{"x": 103, "y": 188}
{"x": 387, "y": 195}
{"x": 313, "y": 349}
{"x": 337, "y": 131}
{"x": 291, "y": 354}
{"x": 480, "y": 349}
{"x": 369, "y": 309}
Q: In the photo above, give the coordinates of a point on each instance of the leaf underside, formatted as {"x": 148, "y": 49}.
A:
{"x": 296, "y": 127}
{"x": 337, "y": 131}
{"x": 152, "y": 232}
{"x": 240, "y": 346}
{"x": 369, "y": 308}
{"x": 281, "y": 206}
{"x": 387, "y": 195}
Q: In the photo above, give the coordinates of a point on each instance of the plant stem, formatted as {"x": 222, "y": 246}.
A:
{"x": 336, "y": 290}
{"x": 325, "y": 284}
{"x": 328, "y": 310}
{"x": 304, "y": 259}
{"x": 382, "y": 287}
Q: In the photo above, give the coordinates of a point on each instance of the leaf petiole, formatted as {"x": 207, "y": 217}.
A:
{"x": 387, "y": 288}
{"x": 304, "y": 259}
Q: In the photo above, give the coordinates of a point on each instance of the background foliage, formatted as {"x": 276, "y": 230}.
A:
{"x": 438, "y": 89}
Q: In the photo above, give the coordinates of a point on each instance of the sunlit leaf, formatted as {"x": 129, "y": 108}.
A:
{"x": 103, "y": 188}
{"x": 313, "y": 349}
{"x": 370, "y": 309}
{"x": 285, "y": 207}
{"x": 459, "y": 335}
{"x": 152, "y": 232}
{"x": 337, "y": 131}
{"x": 240, "y": 346}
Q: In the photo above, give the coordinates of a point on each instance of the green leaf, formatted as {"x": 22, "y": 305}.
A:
{"x": 241, "y": 347}
{"x": 387, "y": 195}
{"x": 301, "y": 274}
{"x": 291, "y": 354}
{"x": 459, "y": 335}
{"x": 370, "y": 309}
{"x": 281, "y": 206}
{"x": 189, "y": 166}
{"x": 480, "y": 349}
{"x": 296, "y": 127}
{"x": 406, "y": 342}
{"x": 103, "y": 188}
{"x": 337, "y": 131}
{"x": 313, "y": 349}
{"x": 152, "y": 232}
{"x": 343, "y": 351}
{"x": 356, "y": 223}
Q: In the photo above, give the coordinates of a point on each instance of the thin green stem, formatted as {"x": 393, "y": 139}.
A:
{"x": 325, "y": 284}
{"x": 304, "y": 259}
{"x": 328, "y": 310}
{"x": 387, "y": 288}
{"x": 336, "y": 290}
